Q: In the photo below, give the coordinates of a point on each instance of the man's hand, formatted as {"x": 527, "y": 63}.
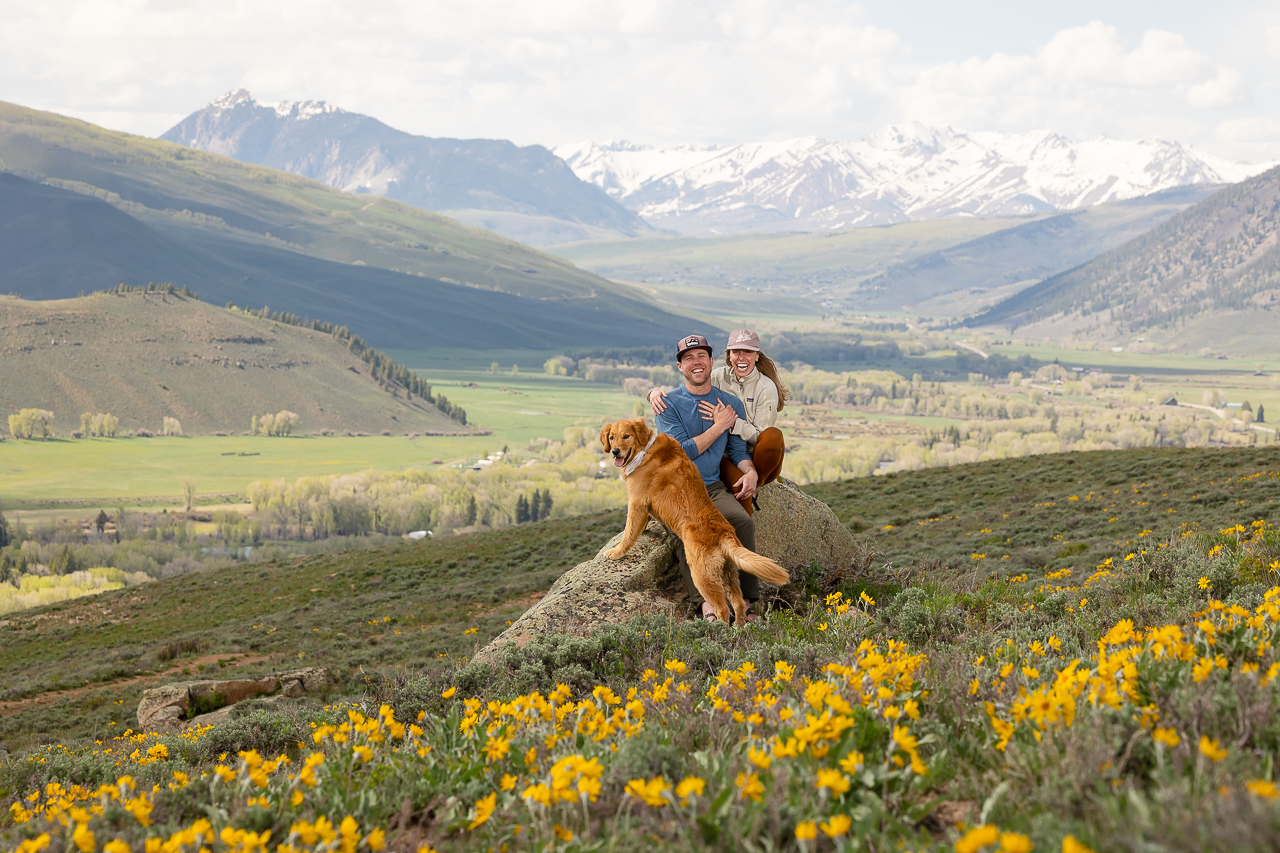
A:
{"x": 746, "y": 486}
{"x": 657, "y": 401}
{"x": 723, "y": 416}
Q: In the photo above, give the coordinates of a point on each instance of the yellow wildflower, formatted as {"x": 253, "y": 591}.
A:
{"x": 977, "y": 838}
{"x": 1211, "y": 749}
{"x": 838, "y": 825}
{"x": 1262, "y": 788}
{"x": 806, "y": 831}
{"x": 484, "y": 809}
{"x": 649, "y": 792}
{"x": 690, "y": 786}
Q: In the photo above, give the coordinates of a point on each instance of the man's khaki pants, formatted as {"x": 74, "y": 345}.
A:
{"x": 746, "y": 530}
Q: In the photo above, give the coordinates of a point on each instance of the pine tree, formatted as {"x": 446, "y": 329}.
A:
{"x": 4, "y": 531}
{"x": 1262, "y": 414}
{"x": 546, "y": 503}
{"x": 101, "y": 521}
{"x": 535, "y": 506}
{"x": 522, "y": 510}
{"x": 471, "y": 509}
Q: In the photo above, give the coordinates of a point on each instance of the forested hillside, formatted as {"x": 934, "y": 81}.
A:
{"x": 1220, "y": 255}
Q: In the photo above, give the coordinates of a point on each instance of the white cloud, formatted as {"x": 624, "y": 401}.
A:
{"x": 650, "y": 70}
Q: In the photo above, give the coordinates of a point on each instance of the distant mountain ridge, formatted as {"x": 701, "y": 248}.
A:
{"x": 897, "y": 174}
{"x": 526, "y": 193}
{"x": 86, "y": 208}
{"x": 1217, "y": 258}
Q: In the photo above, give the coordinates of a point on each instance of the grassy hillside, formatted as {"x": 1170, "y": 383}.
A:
{"x": 267, "y": 233}
{"x": 321, "y": 607}
{"x": 143, "y": 357}
{"x": 961, "y": 697}
{"x": 1219, "y": 257}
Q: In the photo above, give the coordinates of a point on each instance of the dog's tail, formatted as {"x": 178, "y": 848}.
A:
{"x": 753, "y": 563}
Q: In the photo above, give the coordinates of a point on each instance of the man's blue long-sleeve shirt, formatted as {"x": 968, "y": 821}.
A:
{"x": 682, "y": 421}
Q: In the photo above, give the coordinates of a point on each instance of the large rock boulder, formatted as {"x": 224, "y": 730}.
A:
{"x": 172, "y": 707}
{"x": 792, "y": 528}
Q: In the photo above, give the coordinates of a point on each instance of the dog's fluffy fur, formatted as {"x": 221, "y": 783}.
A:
{"x": 667, "y": 485}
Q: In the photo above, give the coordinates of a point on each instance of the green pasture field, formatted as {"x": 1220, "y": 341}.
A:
{"x": 136, "y": 470}
{"x": 142, "y": 469}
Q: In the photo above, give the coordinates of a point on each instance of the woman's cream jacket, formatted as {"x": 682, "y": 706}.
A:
{"x": 759, "y": 396}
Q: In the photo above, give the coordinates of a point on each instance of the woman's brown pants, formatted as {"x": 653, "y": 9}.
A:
{"x": 767, "y": 457}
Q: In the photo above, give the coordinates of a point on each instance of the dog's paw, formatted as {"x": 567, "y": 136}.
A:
{"x": 615, "y": 553}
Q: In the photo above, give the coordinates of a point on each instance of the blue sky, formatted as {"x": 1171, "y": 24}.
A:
{"x": 668, "y": 71}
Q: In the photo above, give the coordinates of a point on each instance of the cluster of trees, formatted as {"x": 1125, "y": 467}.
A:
{"x": 30, "y": 423}
{"x": 388, "y": 372}
{"x": 1009, "y": 419}
{"x": 151, "y": 287}
{"x": 281, "y": 423}
{"x": 171, "y": 426}
{"x": 533, "y": 509}
{"x": 443, "y": 500}
{"x": 102, "y": 424}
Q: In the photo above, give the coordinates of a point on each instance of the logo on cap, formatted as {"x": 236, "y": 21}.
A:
{"x": 743, "y": 336}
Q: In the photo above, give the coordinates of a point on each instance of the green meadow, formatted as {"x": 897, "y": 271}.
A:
{"x": 517, "y": 409}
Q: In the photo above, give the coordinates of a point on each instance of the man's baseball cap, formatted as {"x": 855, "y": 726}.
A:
{"x": 689, "y": 342}
{"x": 744, "y": 339}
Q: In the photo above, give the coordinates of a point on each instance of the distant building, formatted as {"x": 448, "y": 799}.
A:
{"x": 1172, "y": 401}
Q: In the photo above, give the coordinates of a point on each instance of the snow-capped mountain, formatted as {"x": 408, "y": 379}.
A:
{"x": 526, "y": 193}
{"x": 897, "y": 174}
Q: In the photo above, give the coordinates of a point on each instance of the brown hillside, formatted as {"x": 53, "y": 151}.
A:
{"x": 146, "y": 356}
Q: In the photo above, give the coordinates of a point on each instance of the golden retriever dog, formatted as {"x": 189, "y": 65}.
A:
{"x": 662, "y": 480}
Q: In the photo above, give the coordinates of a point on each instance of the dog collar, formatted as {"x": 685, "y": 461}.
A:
{"x": 631, "y": 466}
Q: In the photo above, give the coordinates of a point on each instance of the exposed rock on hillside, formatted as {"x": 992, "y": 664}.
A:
{"x": 792, "y": 528}
{"x": 171, "y": 707}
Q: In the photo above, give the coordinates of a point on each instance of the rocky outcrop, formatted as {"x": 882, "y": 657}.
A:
{"x": 792, "y": 528}
{"x": 172, "y": 707}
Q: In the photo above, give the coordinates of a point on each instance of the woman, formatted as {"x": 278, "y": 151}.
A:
{"x": 751, "y": 376}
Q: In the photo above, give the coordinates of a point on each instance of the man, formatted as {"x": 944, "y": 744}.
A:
{"x": 700, "y": 417}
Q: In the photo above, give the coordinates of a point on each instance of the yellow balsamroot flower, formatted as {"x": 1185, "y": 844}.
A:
{"x": 1071, "y": 845}
{"x": 1211, "y": 749}
{"x": 496, "y": 749}
{"x": 853, "y": 762}
{"x": 837, "y": 826}
{"x": 1168, "y": 737}
{"x": 448, "y": 694}
{"x": 1014, "y": 842}
{"x": 759, "y": 758}
{"x": 116, "y": 846}
{"x": 649, "y": 792}
{"x": 1262, "y": 788}
{"x": 484, "y": 809}
{"x": 832, "y": 780}
{"x": 83, "y": 839}
{"x": 377, "y": 840}
{"x": 749, "y": 787}
{"x": 690, "y": 786}
{"x": 676, "y": 666}
{"x": 806, "y": 831}
{"x": 508, "y": 782}
{"x": 363, "y": 753}
{"x": 1204, "y": 582}
{"x": 977, "y": 838}
{"x": 34, "y": 845}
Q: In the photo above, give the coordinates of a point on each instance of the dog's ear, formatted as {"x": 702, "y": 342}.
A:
{"x": 643, "y": 432}
{"x": 604, "y": 436}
